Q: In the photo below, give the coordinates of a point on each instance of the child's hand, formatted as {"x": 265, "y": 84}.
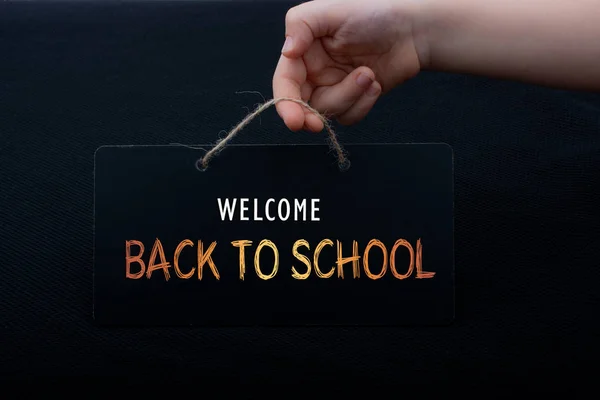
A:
{"x": 340, "y": 55}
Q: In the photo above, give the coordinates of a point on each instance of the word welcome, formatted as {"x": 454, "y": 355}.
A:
{"x": 158, "y": 260}
{"x": 283, "y": 209}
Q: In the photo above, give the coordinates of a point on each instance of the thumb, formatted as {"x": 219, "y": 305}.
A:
{"x": 305, "y": 23}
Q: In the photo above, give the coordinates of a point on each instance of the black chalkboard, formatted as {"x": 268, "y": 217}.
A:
{"x": 173, "y": 247}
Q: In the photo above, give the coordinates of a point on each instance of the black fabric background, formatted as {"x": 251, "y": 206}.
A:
{"x": 77, "y": 76}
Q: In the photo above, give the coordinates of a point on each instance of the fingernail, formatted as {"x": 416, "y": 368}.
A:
{"x": 287, "y": 45}
{"x": 364, "y": 80}
{"x": 373, "y": 90}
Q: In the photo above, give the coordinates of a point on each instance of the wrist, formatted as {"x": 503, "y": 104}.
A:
{"x": 421, "y": 32}
{"x": 427, "y": 22}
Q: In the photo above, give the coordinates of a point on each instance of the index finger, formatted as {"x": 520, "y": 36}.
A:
{"x": 288, "y": 79}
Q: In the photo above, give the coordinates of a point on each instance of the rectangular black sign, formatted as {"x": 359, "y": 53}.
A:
{"x": 274, "y": 235}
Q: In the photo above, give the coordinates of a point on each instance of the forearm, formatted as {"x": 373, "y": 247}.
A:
{"x": 549, "y": 42}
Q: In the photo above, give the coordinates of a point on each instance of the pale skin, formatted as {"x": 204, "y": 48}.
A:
{"x": 342, "y": 55}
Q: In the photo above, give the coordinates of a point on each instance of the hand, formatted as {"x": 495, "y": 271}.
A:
{"x": 340, "y": 56}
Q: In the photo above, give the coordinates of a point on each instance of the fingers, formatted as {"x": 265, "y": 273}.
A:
{"x": 311, "y": 121}
{"x": 321, "y": 70}
{"x": 303, "y": 24}
{"x": 339, "y": 98}
{"x": 306, "y": 91}
{"x": 306, "y": 22}
{"x": 288, "y": 79}
{"x": 350, "y": 100}
{"x": 362, "y": 106}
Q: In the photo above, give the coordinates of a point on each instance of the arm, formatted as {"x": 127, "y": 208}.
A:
{"x": 547, "y": 42}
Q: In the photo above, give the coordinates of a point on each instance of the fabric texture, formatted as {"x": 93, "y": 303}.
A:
{"x": 75, "y": 76}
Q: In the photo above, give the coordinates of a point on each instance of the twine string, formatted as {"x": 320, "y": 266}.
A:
{"x": 342, "y": 160}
